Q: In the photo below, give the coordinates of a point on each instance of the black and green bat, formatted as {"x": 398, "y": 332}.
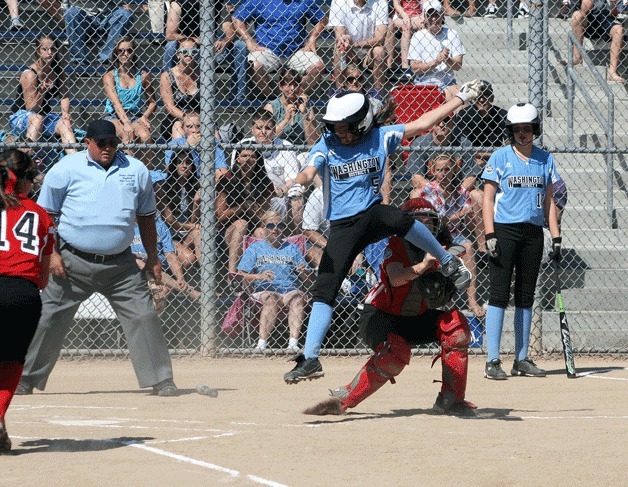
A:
{"x": 565, "y": 336}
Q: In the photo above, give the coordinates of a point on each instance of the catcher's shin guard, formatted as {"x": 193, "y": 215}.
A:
{"x": 454, "y": 336}
{"x": 388, "y": 361}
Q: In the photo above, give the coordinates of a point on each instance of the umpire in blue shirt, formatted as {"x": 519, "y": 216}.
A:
{"x": 95, "y": 196}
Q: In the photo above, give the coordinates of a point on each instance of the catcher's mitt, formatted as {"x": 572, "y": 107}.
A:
{"x": 436, "y": 289}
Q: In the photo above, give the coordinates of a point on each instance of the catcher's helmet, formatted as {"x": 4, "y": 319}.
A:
{"x": 352, "y": 108}
{"x": 416, "y": 207}
{"x": 523, "y": 113}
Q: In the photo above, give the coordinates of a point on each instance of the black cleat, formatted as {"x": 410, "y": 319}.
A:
{"x": 5, "y": 441}
{"x": 493, "y": 370}
{"x": 305, "y": 369}
{"x": 527, "y": 368}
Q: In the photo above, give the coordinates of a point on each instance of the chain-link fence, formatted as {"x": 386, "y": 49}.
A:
{"x": 222, "y": 102}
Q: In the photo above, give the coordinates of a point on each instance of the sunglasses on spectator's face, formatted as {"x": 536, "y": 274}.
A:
{"x": 522, "y": 129}
{"x": 188, "y": 52}
{"x": 352, "y": 80}
{"x": 102, "y": 143}
{"x": 272, "y": 226}
{"x": 125, "y": 50}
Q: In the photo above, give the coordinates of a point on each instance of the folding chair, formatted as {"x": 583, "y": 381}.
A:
{"x": 242, "y": 316}
{"x": 413, "y": 101}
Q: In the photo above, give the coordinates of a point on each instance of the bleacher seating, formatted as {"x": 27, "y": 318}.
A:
{"x": 87, "y": 95}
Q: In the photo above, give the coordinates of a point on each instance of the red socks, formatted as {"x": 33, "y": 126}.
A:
{"x": 10, "y": 375}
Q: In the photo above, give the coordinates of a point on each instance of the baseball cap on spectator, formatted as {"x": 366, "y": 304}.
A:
{"x": 432, "y": 5}
{"x": 101, "y": 129}
{"x": 560, "y": 194}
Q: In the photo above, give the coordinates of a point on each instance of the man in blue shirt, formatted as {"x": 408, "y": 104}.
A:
{"x": 96, "y": 195}
{"x": 280, "y": 37}
{"x": 350, "y": 158}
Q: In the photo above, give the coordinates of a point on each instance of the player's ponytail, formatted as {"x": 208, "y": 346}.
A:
{"x": 7, "y": 186}
{"x": 14, "y": 165}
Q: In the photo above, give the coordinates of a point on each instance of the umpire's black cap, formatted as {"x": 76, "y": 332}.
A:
{"x": 101, "y": 129}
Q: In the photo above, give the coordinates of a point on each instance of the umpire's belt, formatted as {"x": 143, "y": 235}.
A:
{"x": 96, "y": 258}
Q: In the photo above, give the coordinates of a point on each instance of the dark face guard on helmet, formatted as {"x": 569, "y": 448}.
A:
{"x": 421, "y": 208}
{"x": 523, "y": 114}
{"x": 359, "y": 122}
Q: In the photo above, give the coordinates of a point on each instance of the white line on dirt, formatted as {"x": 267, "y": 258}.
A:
{"x": 199, "y": 463}
{"x": 50, "y": 406}
{"x": 605, "y": 378}
{"x": 192, "y": 438}
{"x": 573, "y": 417}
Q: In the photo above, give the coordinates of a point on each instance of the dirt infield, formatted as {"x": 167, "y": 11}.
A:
{"x": 93, "y": 427}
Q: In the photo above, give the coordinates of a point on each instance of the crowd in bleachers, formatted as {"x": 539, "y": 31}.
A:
{"x": 376, "y": 42}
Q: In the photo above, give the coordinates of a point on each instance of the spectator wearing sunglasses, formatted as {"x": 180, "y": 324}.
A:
{"x": 130, "y": 96}
{"x": 360, "y": 29}
{"x": 183, "y": 22}
{"x": 276, "y": 269}
{"x": 96, "y": 196}
{"x": 352, "y": 79}
{"x": 180, "y": 89}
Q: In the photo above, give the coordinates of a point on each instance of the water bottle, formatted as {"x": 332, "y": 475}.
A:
{"x": 206, "y": 391}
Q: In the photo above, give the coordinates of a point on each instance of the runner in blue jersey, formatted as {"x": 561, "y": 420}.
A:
{"x": 518, "y": 198}
{"x": 350, "y": 159}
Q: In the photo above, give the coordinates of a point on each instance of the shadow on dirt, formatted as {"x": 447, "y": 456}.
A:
{"x": 71, "y": 445}
{"x": 481, "y": 413}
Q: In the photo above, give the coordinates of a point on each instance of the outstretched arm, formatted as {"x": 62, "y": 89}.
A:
{"x": 468, "y": 92}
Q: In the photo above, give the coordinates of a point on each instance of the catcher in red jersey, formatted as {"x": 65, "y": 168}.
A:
{"x": 402, "y": 310}
{"x": 26, "y": 242}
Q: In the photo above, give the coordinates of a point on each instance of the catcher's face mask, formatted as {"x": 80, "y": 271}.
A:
{"x": 428, "y": 221}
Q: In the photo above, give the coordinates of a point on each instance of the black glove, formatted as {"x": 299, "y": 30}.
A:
{"x": 436, "y": 289}
{"x": 555, "y": 253}
{"x": 492, "y": 247}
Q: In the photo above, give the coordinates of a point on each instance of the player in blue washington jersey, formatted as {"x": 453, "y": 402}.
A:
{"x": 518, "y": 199}
{"x": 350, "y": 159}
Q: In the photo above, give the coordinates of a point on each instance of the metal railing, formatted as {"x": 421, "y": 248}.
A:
{"x": 607, "y": 124}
